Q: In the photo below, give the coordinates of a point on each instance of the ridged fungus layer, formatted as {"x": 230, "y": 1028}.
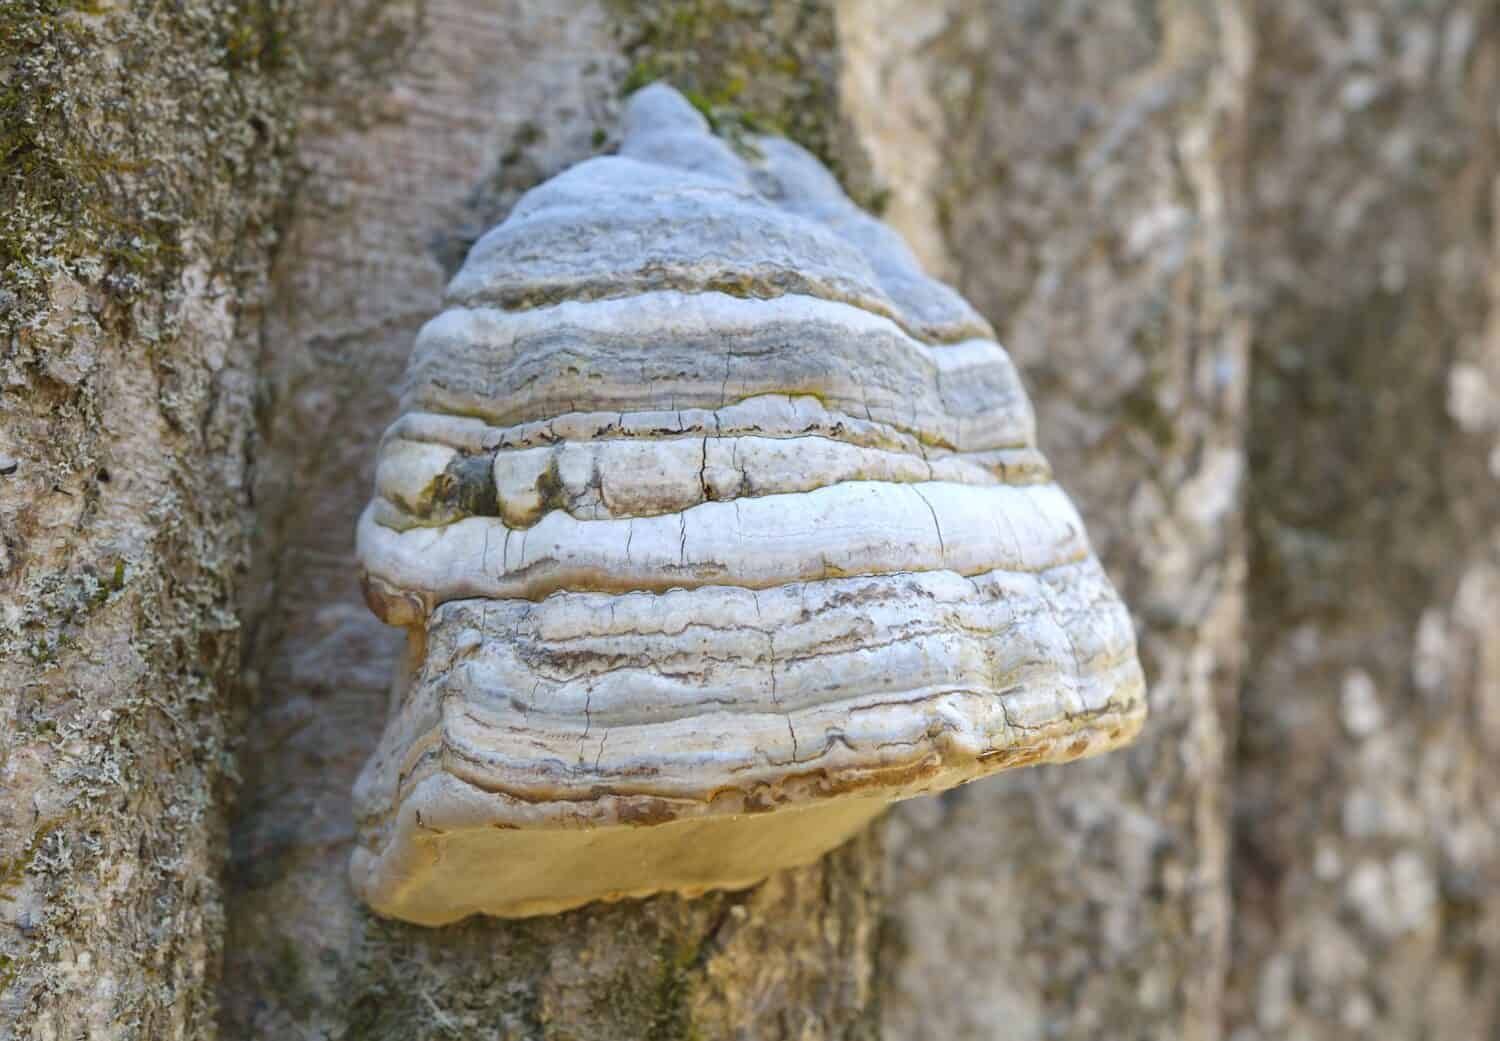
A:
{"x": 716, "y": 526}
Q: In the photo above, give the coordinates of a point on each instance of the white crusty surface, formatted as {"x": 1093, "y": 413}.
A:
{"x": 850, "y": 528}
{"x": 675, "y": 350}
{"x": 677, "y": 209}
{"x": 716, "y": 525}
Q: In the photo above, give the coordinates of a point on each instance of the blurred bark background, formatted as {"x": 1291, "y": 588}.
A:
{"x": 1244, "y": 251}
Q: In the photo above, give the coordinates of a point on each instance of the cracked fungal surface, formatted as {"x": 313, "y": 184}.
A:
{"x": 716, "y": 526}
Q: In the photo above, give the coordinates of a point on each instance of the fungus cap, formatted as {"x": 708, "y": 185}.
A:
{"x": 716, "y": 526}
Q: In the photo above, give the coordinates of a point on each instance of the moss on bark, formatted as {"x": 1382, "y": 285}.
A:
{"x": 141, "y": 146}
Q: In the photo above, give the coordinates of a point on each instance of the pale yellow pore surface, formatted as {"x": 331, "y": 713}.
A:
{"x": 518, "y": 873}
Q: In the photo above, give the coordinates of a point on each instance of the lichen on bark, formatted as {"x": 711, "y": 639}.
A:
{"x": 140, "y": 152}
{"x": 751, "y": 66}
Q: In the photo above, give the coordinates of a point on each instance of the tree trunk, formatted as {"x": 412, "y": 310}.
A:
{"x": 1082, "y": 170}
{"x": 1368, "y": 835}
{"x": 1244, "y": 251}
{"x": 138, "y": 171}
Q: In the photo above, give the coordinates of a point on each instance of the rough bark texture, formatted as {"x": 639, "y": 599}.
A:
{"x": 138, "y": 168}
{"x": 1368, "y": 834}
{"x": 401, "y": 171}
{"x": 1245, "y": 253}
{"x": 1085, "y": 202}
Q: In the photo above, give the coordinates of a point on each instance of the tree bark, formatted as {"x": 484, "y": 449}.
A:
{"x": 1367, "y": 832}
{"x": 139, "y": 165}
{"x": 1245, "y": 253}
{"x": 1082, "y": 172}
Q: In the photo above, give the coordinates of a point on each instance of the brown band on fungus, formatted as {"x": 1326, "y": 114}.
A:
{"x": 393, "y": 606}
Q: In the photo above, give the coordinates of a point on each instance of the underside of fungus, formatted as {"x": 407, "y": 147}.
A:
{"x": 716, "y": 526}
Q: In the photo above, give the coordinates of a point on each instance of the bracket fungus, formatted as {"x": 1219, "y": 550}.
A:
{"x": 716, "y": 526}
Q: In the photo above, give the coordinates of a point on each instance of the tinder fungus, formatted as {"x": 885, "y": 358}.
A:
{"x": 716, "y": 526}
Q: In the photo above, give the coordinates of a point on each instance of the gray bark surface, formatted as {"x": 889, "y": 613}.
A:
{"x": 1244, "y": 252}
{"x": 1086, "y": 202}
{"x": 139, "y": 165}
{"x": 1367, "y": 829}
